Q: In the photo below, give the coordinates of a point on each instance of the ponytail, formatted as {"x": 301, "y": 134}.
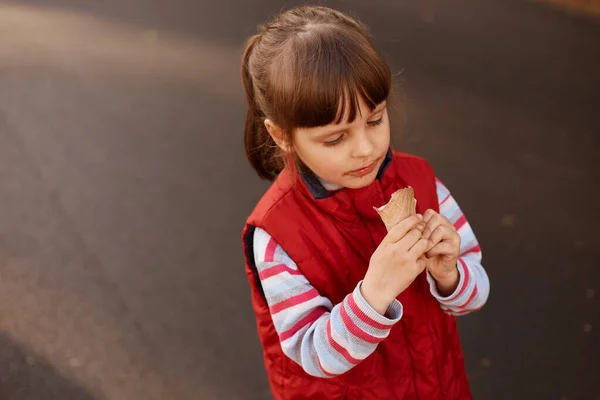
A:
{"x": 261, "y": 150}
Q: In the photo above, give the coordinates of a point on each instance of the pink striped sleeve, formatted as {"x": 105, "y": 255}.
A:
{"x": 270, "y": 250}
{"x": 276, "y": 270}
{"x": 473, "y": 287}
{"x": 326, "y": 340}
{"x": 294, "y": 300}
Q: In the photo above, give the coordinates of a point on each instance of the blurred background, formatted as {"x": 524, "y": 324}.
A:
{"x": 124, "y": 188}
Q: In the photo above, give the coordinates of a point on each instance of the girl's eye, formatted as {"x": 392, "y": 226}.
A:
{"x": 375, "y": 123}
{"x": 334, "y": 142}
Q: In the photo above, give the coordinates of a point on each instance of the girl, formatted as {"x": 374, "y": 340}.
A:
{"x": 345, "y": 309}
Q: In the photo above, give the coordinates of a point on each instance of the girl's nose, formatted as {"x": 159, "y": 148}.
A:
{"x": 364, "y": 147}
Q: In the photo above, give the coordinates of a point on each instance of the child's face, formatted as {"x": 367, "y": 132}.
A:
{"x": 348, "y": 155}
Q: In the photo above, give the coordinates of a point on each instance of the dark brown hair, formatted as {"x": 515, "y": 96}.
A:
{"x": 308, "y": 67}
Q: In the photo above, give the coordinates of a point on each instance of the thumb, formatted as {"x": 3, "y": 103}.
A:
{"x": 422, "y": 263}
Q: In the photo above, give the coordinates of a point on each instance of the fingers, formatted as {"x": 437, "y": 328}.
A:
{"x": 443, "y": 233}
{"x": 419, "y": 247}
{"x": 442, "y": 248}
{"x": 409, "y": 240}
{"x": 433, "y": 220}
{"x": 429, "y": 214}
{"x": 399, "y": 230}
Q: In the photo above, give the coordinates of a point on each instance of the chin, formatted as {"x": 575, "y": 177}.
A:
{"x": 358, "y": 183}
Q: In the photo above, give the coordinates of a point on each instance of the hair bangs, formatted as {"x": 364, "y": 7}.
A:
{"x": 332, "y": 71}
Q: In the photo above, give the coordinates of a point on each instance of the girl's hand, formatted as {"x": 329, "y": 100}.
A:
{"x": 395, "y": 263}
{"x": 443, "y": 251}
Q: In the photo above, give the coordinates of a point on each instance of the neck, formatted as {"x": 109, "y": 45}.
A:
{"x": 332, "y": 187}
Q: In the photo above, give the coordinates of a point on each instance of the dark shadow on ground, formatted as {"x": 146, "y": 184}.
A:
{"x": 25, "y": 376}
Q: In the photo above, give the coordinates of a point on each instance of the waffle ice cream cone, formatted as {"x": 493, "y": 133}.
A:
{"x": 402, "y": 205}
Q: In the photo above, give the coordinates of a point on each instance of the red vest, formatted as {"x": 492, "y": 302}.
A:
{"x": 331, "y": 240}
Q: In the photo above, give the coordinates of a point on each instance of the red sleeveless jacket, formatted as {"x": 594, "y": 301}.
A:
{"x": 331, "y": 239}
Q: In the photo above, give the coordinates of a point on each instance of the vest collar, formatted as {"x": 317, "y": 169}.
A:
{"x": 349, "y": 204}
{"x": 319, "y": 188}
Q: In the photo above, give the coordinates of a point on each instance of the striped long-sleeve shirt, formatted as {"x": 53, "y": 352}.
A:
{"x": 327, "y": 339}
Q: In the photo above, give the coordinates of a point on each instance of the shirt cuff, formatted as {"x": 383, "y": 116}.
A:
{"x": 392, "y": 315}
{"x": 435, "y": 292}
{"x": 464, "y": 291}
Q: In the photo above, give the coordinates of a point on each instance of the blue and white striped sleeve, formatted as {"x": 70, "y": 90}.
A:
{"x": 325, "y": 339}
{"x": 474, "y": 285}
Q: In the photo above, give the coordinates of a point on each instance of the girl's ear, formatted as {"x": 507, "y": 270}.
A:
{"x": 278, "y": 135}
